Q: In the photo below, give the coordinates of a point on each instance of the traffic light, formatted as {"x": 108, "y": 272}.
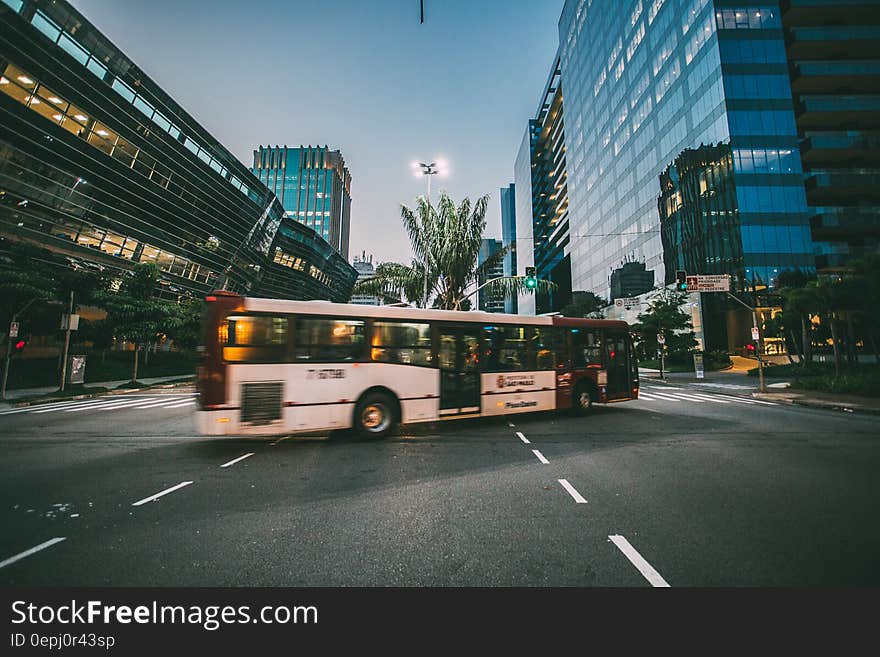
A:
{"x": 531, "y": 281}
{"x": 18, "y": 346}
{"x": 681, "y": 281}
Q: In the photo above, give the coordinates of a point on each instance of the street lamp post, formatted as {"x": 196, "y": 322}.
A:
{"x": 428, "y": 170}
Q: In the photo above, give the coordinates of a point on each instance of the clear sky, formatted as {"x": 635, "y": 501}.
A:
{"x": 362, "y": 76}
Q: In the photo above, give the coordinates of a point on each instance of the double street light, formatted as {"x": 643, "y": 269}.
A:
{"x": 438, "y": 166}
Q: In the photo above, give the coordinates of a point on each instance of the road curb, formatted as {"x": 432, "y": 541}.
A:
{"x": 813, "y": 403}
{"x": 104, "y": 393}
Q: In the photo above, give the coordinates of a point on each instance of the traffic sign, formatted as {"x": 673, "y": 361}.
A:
{"x": 755, "y": 334}
{"x": 661, "y": 339}
{"x": 627, "y": 302}
{"x": 13, "y": 329}
{"x": 698, "y": 366}
{"x": 710, "y": 283}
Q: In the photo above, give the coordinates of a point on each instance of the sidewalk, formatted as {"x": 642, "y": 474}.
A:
{"x": 826, "y": 400}
{"x": 25, "y": 396}
{"x": 777, "y": 389}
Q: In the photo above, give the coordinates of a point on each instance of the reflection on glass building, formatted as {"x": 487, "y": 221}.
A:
{"x": 698, "y": 91}
{"x": 834, "y": 63}
{"x": 314, "y": 187}
{"x": 99, "y": 164}
{"x": 545, "y": 179}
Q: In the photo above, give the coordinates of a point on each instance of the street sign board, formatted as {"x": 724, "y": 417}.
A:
{"x": 711, "y": 283}
{"x": 755, "y": 335}
{"x": 698, "y": 366}
{"x": 77, "y": 369}
{"x": 69, "y": 322}
{"x": 627, "y": 302}
{"x": 13, "y": 329}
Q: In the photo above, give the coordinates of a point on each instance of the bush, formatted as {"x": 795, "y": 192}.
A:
{"x": 862, "y": 380}
{"x": 112, "y": 366}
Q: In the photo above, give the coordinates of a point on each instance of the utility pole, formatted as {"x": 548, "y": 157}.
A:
{"x": 66, "y": 343}
{"x": 9, "y": 349}
{"x": 759, "y": 347}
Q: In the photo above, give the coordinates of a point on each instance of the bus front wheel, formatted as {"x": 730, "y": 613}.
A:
{"x": 582, "y": 399}
{"x": 374, "y": 415}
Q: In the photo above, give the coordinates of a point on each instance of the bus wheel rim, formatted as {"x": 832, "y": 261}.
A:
{"x": 374, "y": 417}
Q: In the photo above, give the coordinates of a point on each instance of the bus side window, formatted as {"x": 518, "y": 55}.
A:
{"x": 586, "y": 346}
{"x": 253, "y": 339}
{"x": 329, "y": 340}
{"x": 543, "y": 347}
{"x": 506, "y": 348}
{"x": 401, "y": 342}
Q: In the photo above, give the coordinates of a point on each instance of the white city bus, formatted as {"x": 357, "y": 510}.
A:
{"x": 278, "y": 367}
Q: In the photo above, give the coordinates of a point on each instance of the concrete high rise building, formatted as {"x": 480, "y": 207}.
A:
{"x": 363, "y": 264}
{"x": 314, "y": 187}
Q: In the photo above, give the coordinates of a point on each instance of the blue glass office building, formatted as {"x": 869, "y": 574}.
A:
{"x": 314, "y": 186}
{"x": 652, "y": 86}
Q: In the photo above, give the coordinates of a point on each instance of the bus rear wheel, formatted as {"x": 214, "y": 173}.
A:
{"x": 582, "y": 399}
{"x": 374, "y": 415}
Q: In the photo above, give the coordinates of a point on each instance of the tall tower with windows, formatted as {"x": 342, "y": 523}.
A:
{"x": 313, "y": 185}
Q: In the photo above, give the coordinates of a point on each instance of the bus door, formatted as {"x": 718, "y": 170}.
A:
{"x": 617, "y": 365}
{"x": 459, "y": 358}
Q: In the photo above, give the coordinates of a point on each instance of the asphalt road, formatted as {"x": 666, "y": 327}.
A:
{"x": 685, "y": 487}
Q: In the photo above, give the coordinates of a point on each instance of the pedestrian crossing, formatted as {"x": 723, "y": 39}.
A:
{"x": 692, "y": 396}
{"x": 113, "y": 403}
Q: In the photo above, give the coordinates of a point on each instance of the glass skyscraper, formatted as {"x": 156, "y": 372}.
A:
{"x": 679, "y": 88}
{"x": 508, "y": 237}
{"x": 486, "y": 301}
{"x": 544, "y": 177}
{"x": 834, "y": 62}
{"x": 314, "y": 187}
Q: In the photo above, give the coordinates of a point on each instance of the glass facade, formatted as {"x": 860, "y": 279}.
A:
{"x": 314, "y": 187}
{"x": 833, "y": 49}
{"x": 525, "y": 254}
{"x": 651, "y": 85}
{"x": 97, "y": 163}
{"x": 508, "y": 238}
{"x": 485, "y": 301}
{"x": 548, "y": 185}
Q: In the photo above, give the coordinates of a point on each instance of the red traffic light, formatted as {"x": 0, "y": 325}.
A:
{"x": 20, "y": 345}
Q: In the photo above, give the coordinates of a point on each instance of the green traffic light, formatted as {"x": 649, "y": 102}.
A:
{"x": 531, "y": 283}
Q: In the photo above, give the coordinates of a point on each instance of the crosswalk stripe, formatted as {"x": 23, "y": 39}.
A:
{"x": 741, "y": 400}
{"x": 691, "y": 398}
{"x": 665, "y": 397}
{"x": 155, "y": 404}
{"x": 712, "y": 398}
{"x": 189, "y": 402}
{"x": 93, "y": 403}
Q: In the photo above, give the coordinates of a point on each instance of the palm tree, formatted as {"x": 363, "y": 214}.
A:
{"x": 446, "y": 244}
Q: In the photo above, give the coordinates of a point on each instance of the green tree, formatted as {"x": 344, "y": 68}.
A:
{"x": 584, "y": 304}
{"x": 665, "y": 317}
{"x": 446, "y": 244}
{"x": 135, "y": 314}
{"x": 187, "y": 330}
